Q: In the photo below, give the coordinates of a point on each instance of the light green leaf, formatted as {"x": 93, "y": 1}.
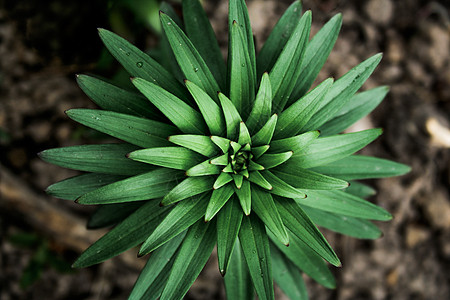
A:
{"x": 287, "y": 276}
{"x": 218, "y": 199}
{"x": 112, "y": 98}
{"x": 241, "y": 72}
{"x": 189, "y": 187}
{"x": 306, "y": 179}
{"x": 355, "y": 227}
{"x": 229, "y": 221}
{"x": 192, "y": 257}
{"x": 151, "y": 185}
{"x": 238, "y": 179}
{"x": 106, "y": 159}
{"x": 201, "y": 34}
{"x": 238, "y": 284}
{"x": 237, "y": 11}
{"x": 191, "y": 63}
{"x": 328, "y": 149}
{"x": 232, "y": 117}
{"x": 153, "y": 277}
{"x": 255, "y": 245}
{"x": 252, "y": 166}
{"x": 295, "y": 143}
{"x": 343, "y": 203}
{"x": 134, "y": 130}
{"x": 170, "y": 157}
{"x": 272, "y": 160}
{"x": 265, "y": 134}
{"x": 286, "y": 71}
{"x": 128, "y": 234}
{"x": 281, "y": 188}
{"x": 111, "y": 214}
{"x": 198, "y": 143}
{"x": 359, "y": 106}
{"x": 341, "y": 92}
{"x": 298, "y": 222}
{"x": 264, "y": 207}
{"x": 295, "y": 117}
{"x": 187, "y": 119}
{"x": 181, "y": 217}
{"x": 262, "y": 107}
{"x": 221, "y": 160}
{"x": 301, "y": 255}
{"x": 316, "y": 54}
{"x": 244, "y": 135}
{"x": 211, "y": 112}
{"x": 363, "y": 167}
{"x": 74, "y": 187}
{"x": 204, "y": 168}
{"x": 139, "y": 64}
{"x": 256, "y": 178}
{"x": 259, "y": 151}
{"x": 245, "y": 196}
{"x": 222, "y": 143}
{"x": 278, "y": 38}
{"x": 221, "y": 180}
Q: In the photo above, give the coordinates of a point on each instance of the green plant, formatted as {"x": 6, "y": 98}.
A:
{"x": 238, "y": 155}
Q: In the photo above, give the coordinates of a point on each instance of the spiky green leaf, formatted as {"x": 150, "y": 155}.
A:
{"x": 262, "y": 106}
{"x": 295, "y": 143}
{"x": 265, "y": 134}
{"x": 189, "y": 187}
{"x": 272, "y": 160}
{"x": 204, "y": 168}
{"x": 170, "y": 157}
{"x": 281, "y": 188}
{"x": 238, "y": 284}
{"x": 218, "y": 199}
{"x": 111, "y": 214}
{"x": 198, "y": 143}
{"x": 245, "y": 196}
{"x": 232, "y": 116}
{"x": 256, "y": 178}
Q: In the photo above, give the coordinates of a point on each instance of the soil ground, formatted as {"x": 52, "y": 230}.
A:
{"x": 43, "y": 44}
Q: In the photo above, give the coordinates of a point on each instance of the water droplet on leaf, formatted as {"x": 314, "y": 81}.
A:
{"x": 139, "y": 64}
{"x": 195, "y": 69}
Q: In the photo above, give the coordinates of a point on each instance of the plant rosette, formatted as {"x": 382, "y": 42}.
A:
{"x": 242, "y": 154}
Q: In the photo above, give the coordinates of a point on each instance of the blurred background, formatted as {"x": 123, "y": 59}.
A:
{"x": 43, "y": 44}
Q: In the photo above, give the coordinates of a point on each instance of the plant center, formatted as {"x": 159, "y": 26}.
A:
{"x": 240, "y": 160}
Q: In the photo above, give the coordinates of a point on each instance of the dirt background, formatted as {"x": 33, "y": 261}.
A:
{"x": 43, "y": 44}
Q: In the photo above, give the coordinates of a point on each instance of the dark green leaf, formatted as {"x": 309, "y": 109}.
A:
{"x": 128, "y": 234}
{"x": 151, "y": 185}
{"x": 300, "y": 254}
{"x": 74, "y": 187}
{"x": 111, "y": 214}
{"x": 287, "y": 276}
{"x": 188, "y": 58}
{"x": 204, "y": 168}
{"x": 201, "y": 34}
{"x": 258, "y": 151}
{"x": 139, "y": 64}
{"x": 170, "y": 157}
{"x": 256, "y": 178}
{"x": 306, "y": 179}
{"x": 187, "y": 119}
{"x": 222, "y": 143}
{"x": 255, "y": 245}
{"x": 106, "y": 158}
{"x": 359, "y": 106}
{"x": 153, "y": 277}
{"x": 238, "y": 284}
{"x": 295, "y": 117}
{"x": 244, "y": 135}
{"x": 295, "y": 143}
{"x": 343, "y": 203}
{"x": 264, "y": 207}
{"x": 189, "y": 187}
{"x": 265, "y": 134}
{"x": 223, "y": 179}
{"x": 316, "y": 54}
{"x": 198, "y": 143}
{"x": 112, "y": 98}
{"x": 363, "y": 167}
{"x": 134, "y": 130}
{"x": 286, "y": 71}
{"x": 218, "y": 199}
{"x": 192, "y": 257}
{"x": 360, "y": 189}
{"x": 278, "y": 38}
{"x": 355, "y": 227}
{"x": 245, "y": 196}
{"x": 262, "y": 107}
{"x": 232, "y": 117}
{"x": 328, "y": 149}
{"x": 229, "y": 221}
{"x": 181, "y": 217}
{"x": 211, "y": 112}
{"x": 341, "y": 92}
{"x": 242, "y": 76}
{"x": 272, "y": 160}
{"x": 281, "y": 188}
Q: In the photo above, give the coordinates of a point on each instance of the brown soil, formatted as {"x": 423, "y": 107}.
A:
{"x": 43, "y": 44}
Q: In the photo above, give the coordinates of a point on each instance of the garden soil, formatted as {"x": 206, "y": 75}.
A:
{"x": 43, "y": 44}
